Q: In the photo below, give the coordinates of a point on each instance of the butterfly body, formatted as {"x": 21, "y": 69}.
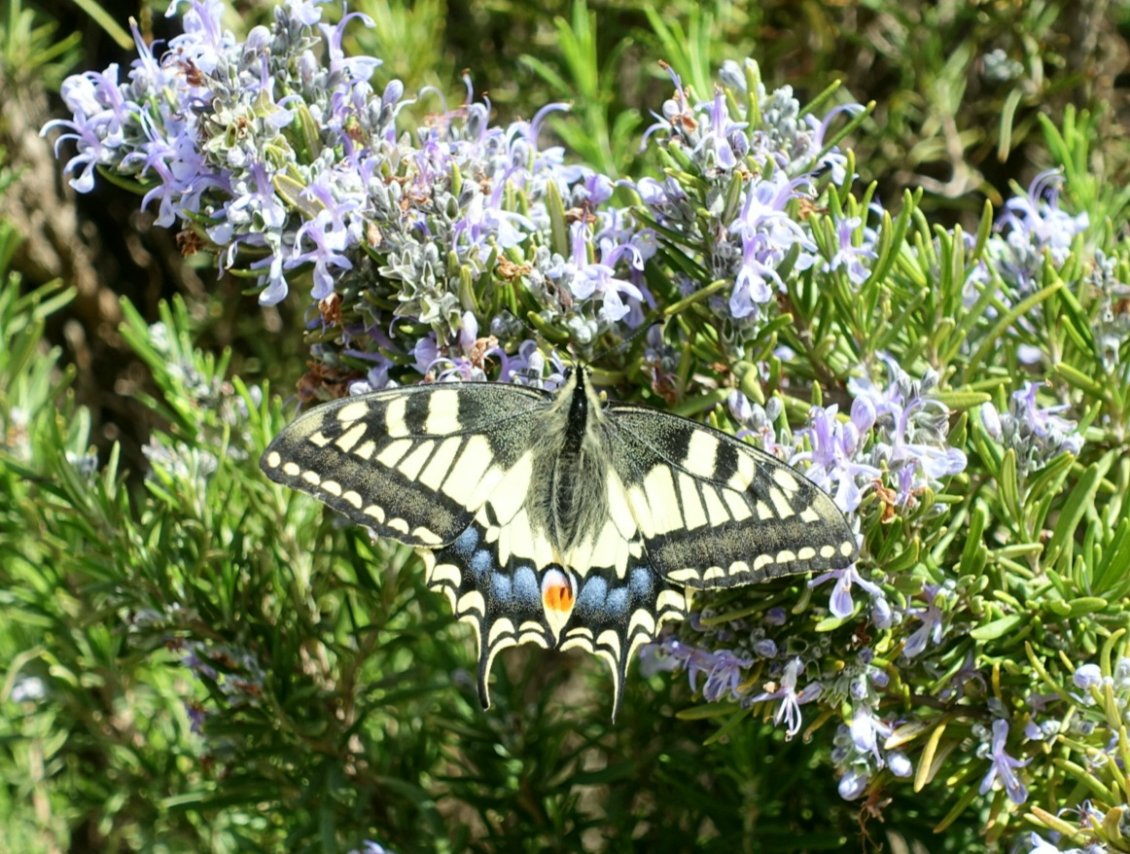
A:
{"x": 556, "y": 520}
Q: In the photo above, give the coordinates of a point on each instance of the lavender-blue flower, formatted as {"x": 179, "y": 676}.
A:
{"x": 789, "y": 698}
{"x": 1003, "y": 767}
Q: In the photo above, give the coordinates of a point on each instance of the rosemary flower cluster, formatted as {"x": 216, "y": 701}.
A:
{"x": 454, "y": 248}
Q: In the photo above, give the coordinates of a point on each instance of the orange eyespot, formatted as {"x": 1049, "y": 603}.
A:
{"x": 558, "y": 597}
{"x": 557, "y": 591}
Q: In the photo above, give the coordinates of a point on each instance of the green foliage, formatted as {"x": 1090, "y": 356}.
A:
{"x": 200, "y": 660}
{"x": 196, "y": 660}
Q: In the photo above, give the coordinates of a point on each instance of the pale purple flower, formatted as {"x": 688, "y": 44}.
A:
{"x": 1038, "y": 845}
{"x": 371, "y": 847}
{"x": 1037, "y": 433}
{"x": 722, "y": 668}
{"x": 757, "y": 421}
{"x": 776, "y": 616}
{"x": 459, "y": 360}
{"x": 1032, "y": 227}
{"x": 1041, "y": 731}
{"x": 866, "y": 731}
{"x": 932, "y": 628}
{"x": 858, "y": 749}
{"x": 899, "y": 763}
{"x": 652, "y": 193}
{"x": 356, "y": 69}
{"x": 1087, "y": 676}
{"x": 920, "y": 463}
{"x": 837, "y": 461}
{"x": 425, "y": 352}
{"x": 182, "y": 172}
{"x": 376, "y": 378}
{"x": 675, "y": 112}
{"x": 853, "y": 784}
{"x": 204, "y": 40}
{"x": 530, "y": 366}
{"x": 100, "y": 114}
{"x": 767, "y": 236}
{"x": 253, "y": 210}
{"x": 765, "y": 648}
{"x": 1038, "y": 218}
{"x": 841, "y": 604}
{"x": 1044, "y": 423}
{"x": 833, "y": 160}
{"x": 850, "y": 255}
{"x": 991, "y": 421}
{"x": 274, "y": 279}
{"x": 1122, "y": 674}
{"x": 715, "y": 146}
{"x": 28, "y": 689}
{"x": 589, "y": 279}
{"x": 542, "y": 164}
{"x": 882, "y": 615}
{"x": 1003, "y": 767}
{"x": 595, "y": 190}
{"x": 147, "y": 75}
{"x": 306, "y": 12}
{"x": 485, "y": 218}
{"x": 790, "y": 699}
{"x": 911, "y": 427}
{"x": 654, "y": 658}
{"x": 329, "y": 235}
{"x": 724, "y": 676}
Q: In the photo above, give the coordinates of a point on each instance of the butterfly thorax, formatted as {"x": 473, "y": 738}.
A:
{"x": 569, "y": 468}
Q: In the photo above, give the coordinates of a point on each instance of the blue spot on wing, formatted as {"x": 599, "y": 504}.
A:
{"x": 616, "y": 604}
{"x": 641, "y": 583}
{"x": 500, "y": 588}
{"x": 590, "y": 601}
{"x": 482, "y": 565}
{"x": 466, "y": 543}
{"x": 526, "y": 587}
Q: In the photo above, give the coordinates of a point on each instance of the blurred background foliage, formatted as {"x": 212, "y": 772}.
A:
{"x": 958, "y": 89}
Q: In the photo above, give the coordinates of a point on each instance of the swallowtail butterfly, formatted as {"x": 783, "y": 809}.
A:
{"x": 554, "y": 519}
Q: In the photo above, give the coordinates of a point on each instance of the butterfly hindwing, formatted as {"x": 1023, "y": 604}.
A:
{"x": 715, "y": 512}
{"x": 414, "y": 463}
{"x": 516, "y": 601}
{"x": 616, "y": 614}
{"x": 502, "y": 601}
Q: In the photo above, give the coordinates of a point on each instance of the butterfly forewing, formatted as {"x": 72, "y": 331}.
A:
{"x": 715, "y": 512}
{"x": 408, "y": 462}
